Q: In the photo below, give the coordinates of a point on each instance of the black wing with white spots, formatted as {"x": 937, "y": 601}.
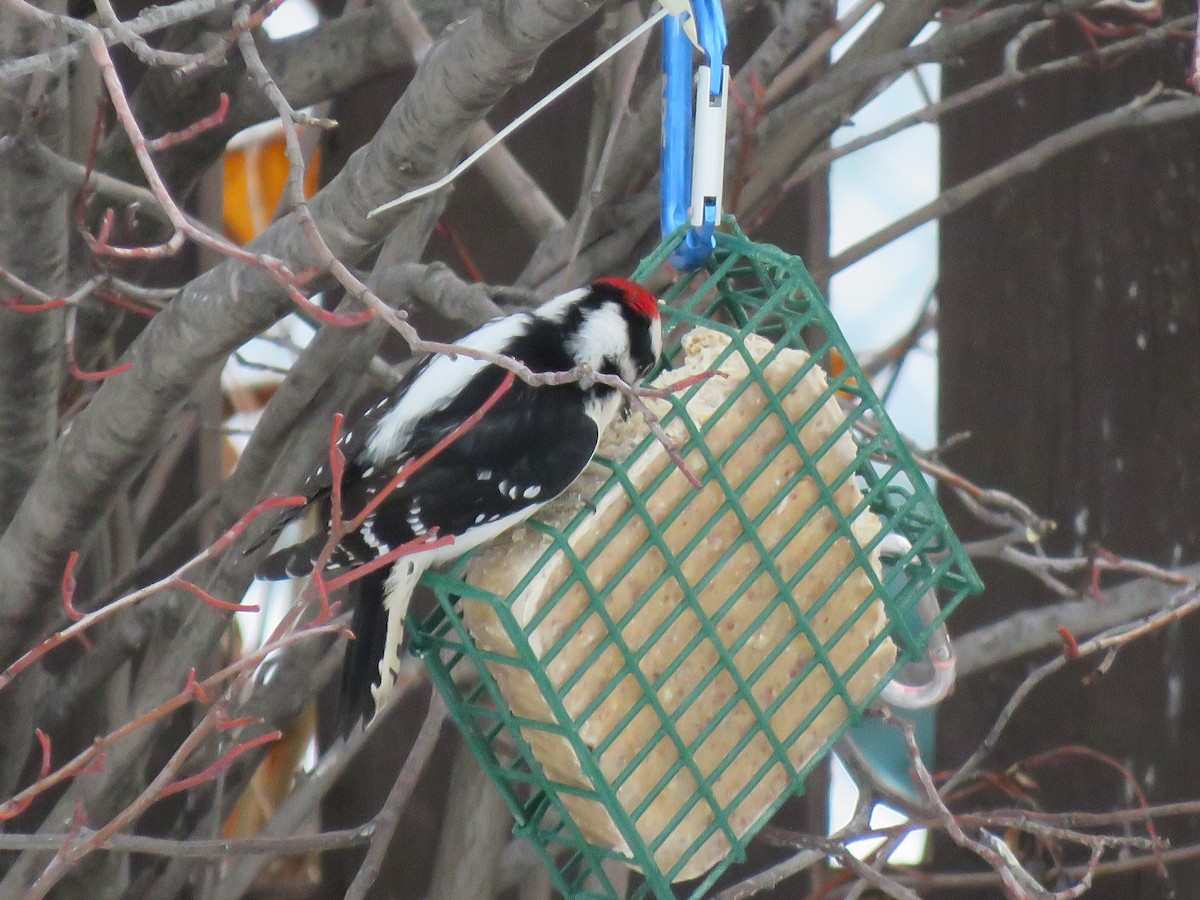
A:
{"x": 297, "y": 560}
{"x": 526, "y": 450}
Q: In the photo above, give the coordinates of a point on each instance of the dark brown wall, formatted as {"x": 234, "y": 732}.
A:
{"x": 1070, "y": 340}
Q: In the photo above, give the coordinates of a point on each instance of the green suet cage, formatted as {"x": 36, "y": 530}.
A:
{"x": 746, "y": 288}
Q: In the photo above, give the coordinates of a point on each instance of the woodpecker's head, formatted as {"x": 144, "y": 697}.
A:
{"x": 638, "y": 311}
{"x": 611, "y": 326}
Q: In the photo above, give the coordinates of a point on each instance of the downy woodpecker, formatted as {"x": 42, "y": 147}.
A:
{"x": 525, "y": 451}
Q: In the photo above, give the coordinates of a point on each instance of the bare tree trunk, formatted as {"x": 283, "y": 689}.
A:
{"x": 474, "y": 833}
{"x": 1070, "y": 330}
{"x": 33, "y": 247}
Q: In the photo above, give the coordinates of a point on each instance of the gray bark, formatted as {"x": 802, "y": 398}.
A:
{"x": 474, "y": 833}
{"x": 33, "y": 246}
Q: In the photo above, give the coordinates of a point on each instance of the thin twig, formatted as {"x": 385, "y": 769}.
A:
{"x": 453, "y": 174}
{"x": 514, "y": 185}
{"x": 1183, "y": 603}
{"x": 154, "y": 18}
{"x": 151, "y": 56}
{"x": 82, "y": 623}
{"x": 197, "y": 847}
{"x": 932, "y": 112}
{"x": 406, "y": 782}
{"x": 623, "y": 80}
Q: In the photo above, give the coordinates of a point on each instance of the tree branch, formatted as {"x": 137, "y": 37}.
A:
{"x": 155, "y": 18}
{"x": 894, "y": 28}
{"x": 397, "y": 799}
{"x": 33, "y": 254}
{"x": 1143, "y": 112}
{"x": 198, "y": 847}
{"x": 334, "y": 57}
{"x": 33, "y": 247}
{"x": 514, "y": 186}
{"x": 464, "y": 74}
{"x": 1037, "y": 629}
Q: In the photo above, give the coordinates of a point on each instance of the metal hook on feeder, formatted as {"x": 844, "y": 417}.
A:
{"x": 939, "y": 655}
{"x": 693, "y": 149}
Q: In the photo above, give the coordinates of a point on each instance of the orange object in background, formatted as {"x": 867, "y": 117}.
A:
{"x": 256, "y": 172}
{"x": 268, "y": 788}
{"x": 837, "y": 366}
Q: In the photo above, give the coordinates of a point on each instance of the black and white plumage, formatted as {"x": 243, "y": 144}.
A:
{"x": 521, "y": 454}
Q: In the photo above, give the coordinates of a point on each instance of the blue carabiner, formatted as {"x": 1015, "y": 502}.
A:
{"x": 693, "y": 144}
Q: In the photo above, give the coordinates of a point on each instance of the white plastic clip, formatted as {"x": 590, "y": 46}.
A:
{"x": 682, "y": 10}
{"x": 708, "y": 147}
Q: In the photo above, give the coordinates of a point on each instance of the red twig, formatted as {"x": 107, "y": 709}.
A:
{"x": 460, "y": 249}
{"x": 224, "y": 723}
{"x": 328, "y": 317}
{"x": 17, "y": 305}
{"x": 44, "y": 740}
{"x": 128, "y": 305}
{"x": 98, "y": 375}
{"x": 326, "y": 610}
{"x": 252, "y": 21}
{"x": 221, "y": 544}
{"x": 72, "y": 363}
{"x": 193, "y": 689}
{"x": 1093, "y": 29}
{"x": 99, "y": 243}
{"x": 217, "y": 53}
{"x": 15, "y": 807}
{"x": 1094, "y": 591}
{"x": 196, "y": 591}
{"x": 1070, "y": 645}
{"x": 428, "y": 543}
{"x": 209, "y": 122}
{"x": 176, "y": 579}
{"x": 221, "y": 766}
{"x": 750, "y": 116}
{"x": 682, "y": 384}
{"x": 1074, "y": 750}
{"x": 78, "y": 820}
{"x": 337, "y": 469}
{"x": 91, "y": 759}
{"x": 417, "y": 464}
{"x": 68, "y": 587}
{"x": 72, "y": 853}
{"x": 85, "y": 194}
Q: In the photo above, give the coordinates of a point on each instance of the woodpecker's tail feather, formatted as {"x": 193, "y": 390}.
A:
{"x": 292, "y": 562}
{"x": 360, "y": 667}
{"x": 372, "y": 663}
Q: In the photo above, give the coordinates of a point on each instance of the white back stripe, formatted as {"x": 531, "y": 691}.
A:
{"x": 434, "y": 389}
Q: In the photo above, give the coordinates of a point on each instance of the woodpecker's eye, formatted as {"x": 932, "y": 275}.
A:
{"x": 651, "y": 349}
{"x": 643, "y": 348}
{"x": 645, "y": 365}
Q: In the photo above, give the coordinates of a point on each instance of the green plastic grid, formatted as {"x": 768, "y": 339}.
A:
{"x": 746, "y": 288}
